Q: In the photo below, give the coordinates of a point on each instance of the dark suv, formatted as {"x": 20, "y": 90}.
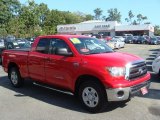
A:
{"x": 142, "y": 40}
{"x": 129, "y": 39}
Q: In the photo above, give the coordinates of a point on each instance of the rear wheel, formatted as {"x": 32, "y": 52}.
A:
{"x": 93, "y": 96}
{"x": 15, "y": 77}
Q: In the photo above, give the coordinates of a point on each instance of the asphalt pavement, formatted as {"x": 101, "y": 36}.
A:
{"x": 35, "y": 103}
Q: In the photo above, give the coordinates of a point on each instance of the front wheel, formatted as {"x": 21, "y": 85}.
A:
{"x": 93, "y": 96}
{"x": 15, "y": 77}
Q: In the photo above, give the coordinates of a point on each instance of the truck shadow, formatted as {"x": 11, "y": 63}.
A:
{"x": 51, "y": 97}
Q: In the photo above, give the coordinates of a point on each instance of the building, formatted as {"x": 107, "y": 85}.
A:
{"x": 106, "y": 28}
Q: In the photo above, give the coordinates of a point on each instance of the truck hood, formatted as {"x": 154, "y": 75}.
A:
{"x": 111, "y": 59}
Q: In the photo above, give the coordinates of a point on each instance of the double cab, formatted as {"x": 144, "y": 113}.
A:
{"x": 84, "y": 66}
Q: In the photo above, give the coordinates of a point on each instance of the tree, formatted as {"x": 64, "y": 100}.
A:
{"x": 43, "y": 11}
{"x": 139, "y": 18}
{"x": 30, "y": 16}
{"x": 130, "y": 14}
{"x": 88, "y": 17}
{"x": 8, "y": 8}
{"x": 114, "y": 15}
{"x": 157, "y": 30}
{"x": 104, "y": 18}
{"x": 130, "y": 17}
{"x": 98, "y": 13}
{"x": 134, "y": 22}
{"x": 144, "y": 18}
{"x": 126, "y": 19}
{"x": 147, "y": 23}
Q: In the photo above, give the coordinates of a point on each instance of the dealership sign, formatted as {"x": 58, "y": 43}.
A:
{"x": 67, "y": 28}
{"x": 102, "y": 26}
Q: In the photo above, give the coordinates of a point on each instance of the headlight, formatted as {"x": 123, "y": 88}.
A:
{"x": 116, "y": 71}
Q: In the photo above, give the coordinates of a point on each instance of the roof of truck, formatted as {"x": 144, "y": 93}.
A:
{"x": 66, "y": 36}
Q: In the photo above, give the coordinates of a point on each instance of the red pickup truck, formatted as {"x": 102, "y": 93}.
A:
{"x": 85, "y": 66}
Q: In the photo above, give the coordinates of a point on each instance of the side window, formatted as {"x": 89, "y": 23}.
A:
{"x": 57, "y": 43}
{"x": 43, "y": 46}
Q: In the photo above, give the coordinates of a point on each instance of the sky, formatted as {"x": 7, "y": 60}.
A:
{"x": 149, "y": 8}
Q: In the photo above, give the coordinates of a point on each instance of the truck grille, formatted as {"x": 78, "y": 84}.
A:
{"x": 136, "y": 70}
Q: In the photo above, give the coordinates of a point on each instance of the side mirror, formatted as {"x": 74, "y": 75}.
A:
{"x": 63, "y": 52}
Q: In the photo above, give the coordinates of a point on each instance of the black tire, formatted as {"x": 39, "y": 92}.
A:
{"x": 15, "y": 77}
{"x": 99, "y": 98}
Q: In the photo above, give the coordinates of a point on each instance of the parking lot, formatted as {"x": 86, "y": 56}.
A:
{"x": 35, "y": 103}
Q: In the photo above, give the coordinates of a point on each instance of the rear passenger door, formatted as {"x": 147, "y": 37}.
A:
{"x": 36, "y": 63}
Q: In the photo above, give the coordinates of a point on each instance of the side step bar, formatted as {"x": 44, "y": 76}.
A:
{"x": 48, "y": 87}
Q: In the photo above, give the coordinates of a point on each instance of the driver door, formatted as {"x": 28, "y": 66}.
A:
{"x": 59, "y": 69}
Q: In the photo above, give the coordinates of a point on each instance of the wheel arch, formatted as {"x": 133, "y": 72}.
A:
{"x": 83, "y": 78}
{"x": 12, "y": 65}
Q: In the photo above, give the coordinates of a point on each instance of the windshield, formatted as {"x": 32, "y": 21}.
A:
{"x": 90, "y": 46}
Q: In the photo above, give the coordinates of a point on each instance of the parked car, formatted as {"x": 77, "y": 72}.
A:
{"x": 119, "y": 37}
{"x": 11, "y": 44}
{"x": 147, "y": 38}
{"x": 154, "y": 41}
{"x": 23, "y": 43}
{"x": 84, "y": 66}
{"x": 156, "y": 65}
{"x": 135, "y": 38}
{"x": 158, "y": 37}
{"x": 2, "y": 44}
{"x": 141, "y": 40}
{"x": 31, "y": 39}
{"x": 2, "y": 47}
{"x": 127, "y": 35}
{"x": 129, "y": 39}
{"x": 116, "y": 43}
{"x": 107, "y": 38}
{"x": 96, "y": 36}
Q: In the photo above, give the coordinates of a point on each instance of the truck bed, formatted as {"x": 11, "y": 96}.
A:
{"x": 22, "y": 49}
{"x": 19, "y": 57}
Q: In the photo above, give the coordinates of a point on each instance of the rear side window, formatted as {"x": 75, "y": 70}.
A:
{"x": 43, "y": 45}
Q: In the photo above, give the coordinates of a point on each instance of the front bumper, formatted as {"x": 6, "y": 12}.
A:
{"x": 121, "y": 94}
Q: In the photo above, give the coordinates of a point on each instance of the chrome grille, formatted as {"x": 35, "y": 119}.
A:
{"x": 136, "y": 69}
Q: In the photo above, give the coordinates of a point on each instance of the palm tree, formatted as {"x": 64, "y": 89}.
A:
{"x": 98, "y": 13}
{"x": 139, "y": 18}
{"x": 130, "y": 14}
